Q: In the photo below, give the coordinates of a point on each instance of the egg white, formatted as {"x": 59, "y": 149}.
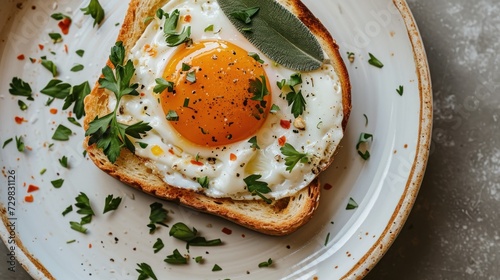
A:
{"x": 323, "y": 117}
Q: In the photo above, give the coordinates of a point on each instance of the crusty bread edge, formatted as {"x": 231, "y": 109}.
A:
{"x": 96, "y": 105}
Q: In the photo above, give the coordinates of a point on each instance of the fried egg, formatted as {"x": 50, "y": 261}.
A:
{"x": 209, "y": 132}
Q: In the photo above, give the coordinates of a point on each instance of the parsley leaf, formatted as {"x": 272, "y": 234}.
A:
{"x": 267, "y": 263}
{"x": 351, "y": 204}
{"x": 95, "y": 10}
{"x": 59, "y": 16}
{"x": 111, "y": 203}
{"x": 400, "y": 90}
{"x": 80, "y": 52}
{"x": 20, "y": 88}
{"x": 172, "y": 116}
{"x": 78, "y": 227}
{"x": 64, "y": 161}
{"x": 83, "y": 205}
{"x": 292, "y": 156}
{"x": 258, "y": 88}
{"x": 57, "y": 89}
{"x": 62, "y": 133}
{"x": 145, "y": 272}
{"x": 158, "y": 245}
{"x": 256, "y": 57}
{"x": 158, "y": 215}
{"x": 184, "y": 233}
{"x": 76, "y": 96}
{"x": 106, "y": 132}
{"x": 257, "y": 187}
{"x": 203, "y": 181}
{"x": 253, "y": 141}
{"x": 19, "y": 144}
{"x": 7, "y": 142}
{"x": 67, "y": 210}
{"x": 176, "y": 258}
{"x": 363, "y": 138}
{"x": 49, "y": 65}
{"x": 374, "y": 61}
{"x": 162, "y": 84}
{"x": 169, "y": 29}
{"x": 57, "y": 183}
{"x": 56, "y": 37}
{"x": 22, "y": 105}
{"x": 294, "y": 97}
{"x": 77, "y": 68}
{"x": 216, "y": 268}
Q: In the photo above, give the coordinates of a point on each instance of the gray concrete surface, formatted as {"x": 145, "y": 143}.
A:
{"x": 453, "y": 231}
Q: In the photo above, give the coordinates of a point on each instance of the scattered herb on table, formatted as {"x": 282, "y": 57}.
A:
{"x": 363, "y": 138}
{"x": 111, "y": 203}
{"x": 157, "y": 216}
{"x": 145, "y": 272}
{"x": 351, "y": 204}
{"x": 267, "y": 263}
{"x": 95, "y": 10}
{"x": 374, "y": 61}
{"x": 400, "y": 90}
{"x": 176, "y": 258}
{"x": 158, "y": 245}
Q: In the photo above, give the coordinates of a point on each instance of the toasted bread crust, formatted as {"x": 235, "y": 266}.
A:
{"x": 283, "y": 216}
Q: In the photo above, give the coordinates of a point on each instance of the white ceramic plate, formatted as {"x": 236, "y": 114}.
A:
{"x": 336, "y": 243}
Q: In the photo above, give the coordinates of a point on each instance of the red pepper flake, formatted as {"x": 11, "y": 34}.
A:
{"x": 232, "y": 157}
{"x": 171, "y": 151}
{"x": 53, "y": 111}
{"x": 327, "y": 187}
{"x": 20, "y": 57}
{"x": 227, "y": 231}
{"x": 19, "y": 120}
{"x": 28, "y": 198}
{"x": 32, "y": 188}
{"x": 285, "y": 124}
{"x": 187, "y": 18}
{"x": 282, "y": 141}
{"x": 196, "y": 162}
{"x": 90, "y": 245}
{"x": 65, "y": 48}
{"x": 40, "y": 46}
{"x": 142, "y": 94}
{"x": 64, "y": 24}
{"x": 32, "y": 60}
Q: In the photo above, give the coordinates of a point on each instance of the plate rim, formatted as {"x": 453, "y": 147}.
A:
{"x": 397, "y": 221}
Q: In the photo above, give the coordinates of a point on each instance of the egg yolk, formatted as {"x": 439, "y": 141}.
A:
{"x": 220, "y": 93}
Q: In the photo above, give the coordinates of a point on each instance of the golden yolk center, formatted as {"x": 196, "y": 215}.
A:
{"x": 220, "y": 94}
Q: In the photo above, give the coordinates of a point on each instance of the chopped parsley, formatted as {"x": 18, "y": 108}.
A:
{"x": 111, "y": 203}
{"x": 62, "y": 133}
{"x": 169, "y": 28}
{"x": 184, "y": 233}
{"x": 145, "y": 272}
{"x": 57, "y": 183}
{"x": 351, "y": 204}
{"x": 216, "y": 268}
{"x": 294, "y": 98}
{"x": 78, "y": 227}
{"x": 274, "y": 109}
{"x": 20, "y": 144}
{"x": 258, "y": 188}
{"x": 209, "y": 28}
{"x": 162, "y": 84}
{"x": 67, "y": 210}
{"x": 400, "y": 90}
{"x": 203, "y": 181}
{"x": 56, "y": 37}
{"x": 176, "y": 258}
{"x": 22, "y": 105}
{"x": 80, "y": 52}
{"x": 95, "y": 10}
{"x": 157, "y": 216}
{"x": 7, "y": 142}
{"x": 64, "y": 161}
{"x": 267, "y": 263}
{"x": 172, "y": 116}
{"x": 77, "y": 68}
{"x": 74, "y": 121}
{"x": 374, "y": 61}
{"x": 363, "y": 138}
{"x": 19, "y": 87}
{"x": 158, "y": 245}
{"x": 327, "y": 239}
{"x": 253, "y": 141}
{"x": 59, "y": 16}
{"x": 256, "y": 57}
{"x": 292, "y": 156}
{"x": 258, "y": 88}
{"x": 49, "y": 65}
{"x": 191, "y": 76}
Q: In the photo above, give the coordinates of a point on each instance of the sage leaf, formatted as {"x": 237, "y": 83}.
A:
{"x": 277, "y": 33}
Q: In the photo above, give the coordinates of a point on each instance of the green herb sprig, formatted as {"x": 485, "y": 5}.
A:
{"x": 258, "y": 188}
{"x": 110, "y": 135}
{"x": 292, "y": 156}
{"x": 95, "y": 10}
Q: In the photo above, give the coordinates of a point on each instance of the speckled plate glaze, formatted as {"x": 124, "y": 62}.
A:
{"x": 337, "y": 243}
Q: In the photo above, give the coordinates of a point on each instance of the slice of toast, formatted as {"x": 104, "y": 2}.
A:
{"x": 282, "y": 216}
